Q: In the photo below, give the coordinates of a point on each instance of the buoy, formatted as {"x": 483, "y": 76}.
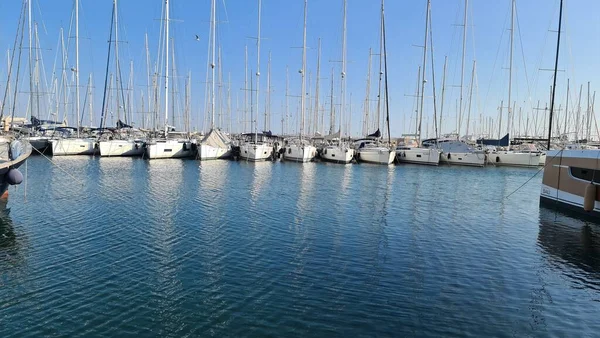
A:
{"x": 13, "y": 177}
{"x": 589, "y": 198}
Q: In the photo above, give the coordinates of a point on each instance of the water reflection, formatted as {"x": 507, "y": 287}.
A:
{"x": 11, "y": 243}
{"x": 116, "y": 175}
{"x": 261, "y": 176}
{"x": 165, "y": 178}
{"x": 572, "y": 244}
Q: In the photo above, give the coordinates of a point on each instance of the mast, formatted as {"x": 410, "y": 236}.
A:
{"x": 462, "y": 67}
{"x": 30, "y": 57}
{"x": 380, "y": 69}
{"x": 287, "y": 96}
{"x": 367, "y": 97}
{"x": 166, "y": 67}
{"x": 77, "y": 62}
{"x": 268, "y": 105}
{"x": 567, "y": 109}
{"x": 343, "y": 84}
{"x": 424, "y": 78}
{"x": 212, "y": 63}
{"x": 387, "y": 106}
{"x": 471, "y": 97}
{"x": 443, "y": 93}
{"x": 118, "y": 79}
{"x": 512, "y": 37}
{"x": 257, "y": 70}
{"x": 317, "y": 89}
{"x": 302, "y": 72}
{"x": 555, "y": 73}
{"x": 331, "y": 108}
{"x": 246, "y": 89}
{"x": 147, "y": 77}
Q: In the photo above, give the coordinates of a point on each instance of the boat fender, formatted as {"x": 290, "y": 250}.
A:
{"x": 449, "y": 156}
{"x": 13, "y": 177}
{"x": 185, "y": 146}
{"x": 137, "y": 146}
{"x": 589, "y": 198}
{"x": 96, "y": 146}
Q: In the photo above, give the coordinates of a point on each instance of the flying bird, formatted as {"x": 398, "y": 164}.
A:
{"x": 197, "y": 37}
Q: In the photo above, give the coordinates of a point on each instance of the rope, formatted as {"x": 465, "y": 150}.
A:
{"x": 56, "y": 165}
{"x": 534, "y": 175}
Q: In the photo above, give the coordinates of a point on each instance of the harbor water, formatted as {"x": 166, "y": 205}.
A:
{"x": 130, "y": 247}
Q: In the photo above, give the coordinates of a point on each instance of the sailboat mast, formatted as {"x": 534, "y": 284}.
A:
{"x": 287, "y": 97}
{"x": 147, "y": 78}
{"x": 387, "y": 105}
{"x": 257, "y": 71}
{"x": 470, "y": 97}
{"x": 317, "y": 89}
{"x": 555, "y": 73}
{"x": 367, "y": 97}
{"x": 512, "y": 37}
{"x": 462, "y": 67}
{"x": 30, "y": 56}
{"x": 302, "y": 72}
{"x": 268, "y": 105}
{"x": 246, "y": 89}
{"x": 443, "y": 93}
{"x": 117, "y": 69}
{"x": 424, "y": 78}
{"x": 380, "y": 69}
{"x": 343, "y": 84}
{"x": 77, "y": 103}
{"x": 331, "y": 107}
{"x": 166, "y": 66}
{"x": 212, "y": 63}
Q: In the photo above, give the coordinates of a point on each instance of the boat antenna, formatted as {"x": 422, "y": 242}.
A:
{"x": 387, "y": 106}
{"x": 555, "y": 73}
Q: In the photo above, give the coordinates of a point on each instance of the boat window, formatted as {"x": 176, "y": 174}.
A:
{"x": 585, "y": 174}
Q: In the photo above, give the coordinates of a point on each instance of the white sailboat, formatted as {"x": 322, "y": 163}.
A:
{"x": 255, "y": 148}
{"x": 171, "y": 146}
{"x": 300, "y": 149}
{"x": 215, "y": 145}
{"x": 77, "y": 145}
{"x": 340, "y": 151}
{"x": 414, "y": 152}
{"x": 508, "y": 157}
{"x": 119, "y": 143}
{"x": 371, "y": 149}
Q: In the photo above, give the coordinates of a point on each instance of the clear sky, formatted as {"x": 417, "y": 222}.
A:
{"x": 282, "y": 21}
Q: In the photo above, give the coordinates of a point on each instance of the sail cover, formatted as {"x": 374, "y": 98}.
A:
{"x": 121, "y": 125}
{"x": 217, "y": 139}
{"x": 503, "y": 142}
{"x": 375, "y": 134}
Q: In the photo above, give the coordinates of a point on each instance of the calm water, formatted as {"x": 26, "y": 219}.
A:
{"x": 106, "y": 247}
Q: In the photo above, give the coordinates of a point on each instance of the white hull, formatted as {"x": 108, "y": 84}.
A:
{"x": 514, "y": 159}
{"x": 169, "y": 149}
{"x": 378, "y": 155}
{"x": 255, "y": 152}
{"x": 418, "y": 156}
{"x": 73, "y": 146}
{"x": 207, "y": 152}
{"x": 542, "y": 159}
{"x": 121, "y": 148}
{"x": 465, "y": 159}
{"x": 337, "y": 154}
{"x": 297, "y": 153}
{"x": 38, "y": 143}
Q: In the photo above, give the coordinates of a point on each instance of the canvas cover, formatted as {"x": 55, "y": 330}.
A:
{"x": 216, "y": 138}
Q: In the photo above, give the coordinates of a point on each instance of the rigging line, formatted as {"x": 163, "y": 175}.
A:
{"x": 59, "y": 167}
{"x": 538, "y": 171}
{"x": 12, "y": 115}
{"x": 21, "y": 21}
{"x": 523, "y": 56}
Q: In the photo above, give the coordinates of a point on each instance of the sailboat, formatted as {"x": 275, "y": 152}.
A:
{"x": 77, "y": 145}
{"x": 215, "y": 144}
{"x": 171, "y": 145}
{"x": 414, "y": 153}
{"x": 340, "y": 152}
{"x": 256, "y": 147}
{"x": 118, "y": 142}
{"x": 371, "y": 149}
{"x": 526, "y": 157}
{"x": 300, "y": 149}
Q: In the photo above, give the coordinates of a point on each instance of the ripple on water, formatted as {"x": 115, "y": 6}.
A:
{"x": 176, "y": 248}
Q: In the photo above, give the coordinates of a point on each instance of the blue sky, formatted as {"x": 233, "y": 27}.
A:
{"x": 282, "y": 30}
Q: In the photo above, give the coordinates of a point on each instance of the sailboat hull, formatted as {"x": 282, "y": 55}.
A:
{"x": 470, "y": 159}
{"x": 297, "y": 153}
{"x": 169, "y": 149}
{"x": 514, "y": 159}
{"x": 207, "y": 152}
{"x": 334, "y": 154}
{"x": 418, "y": 156}
{"x": 255, "y": 152}
{"x": 68, "y": 146}
{"x": 378, "y": 155}
{"x": 121, "y": 148}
